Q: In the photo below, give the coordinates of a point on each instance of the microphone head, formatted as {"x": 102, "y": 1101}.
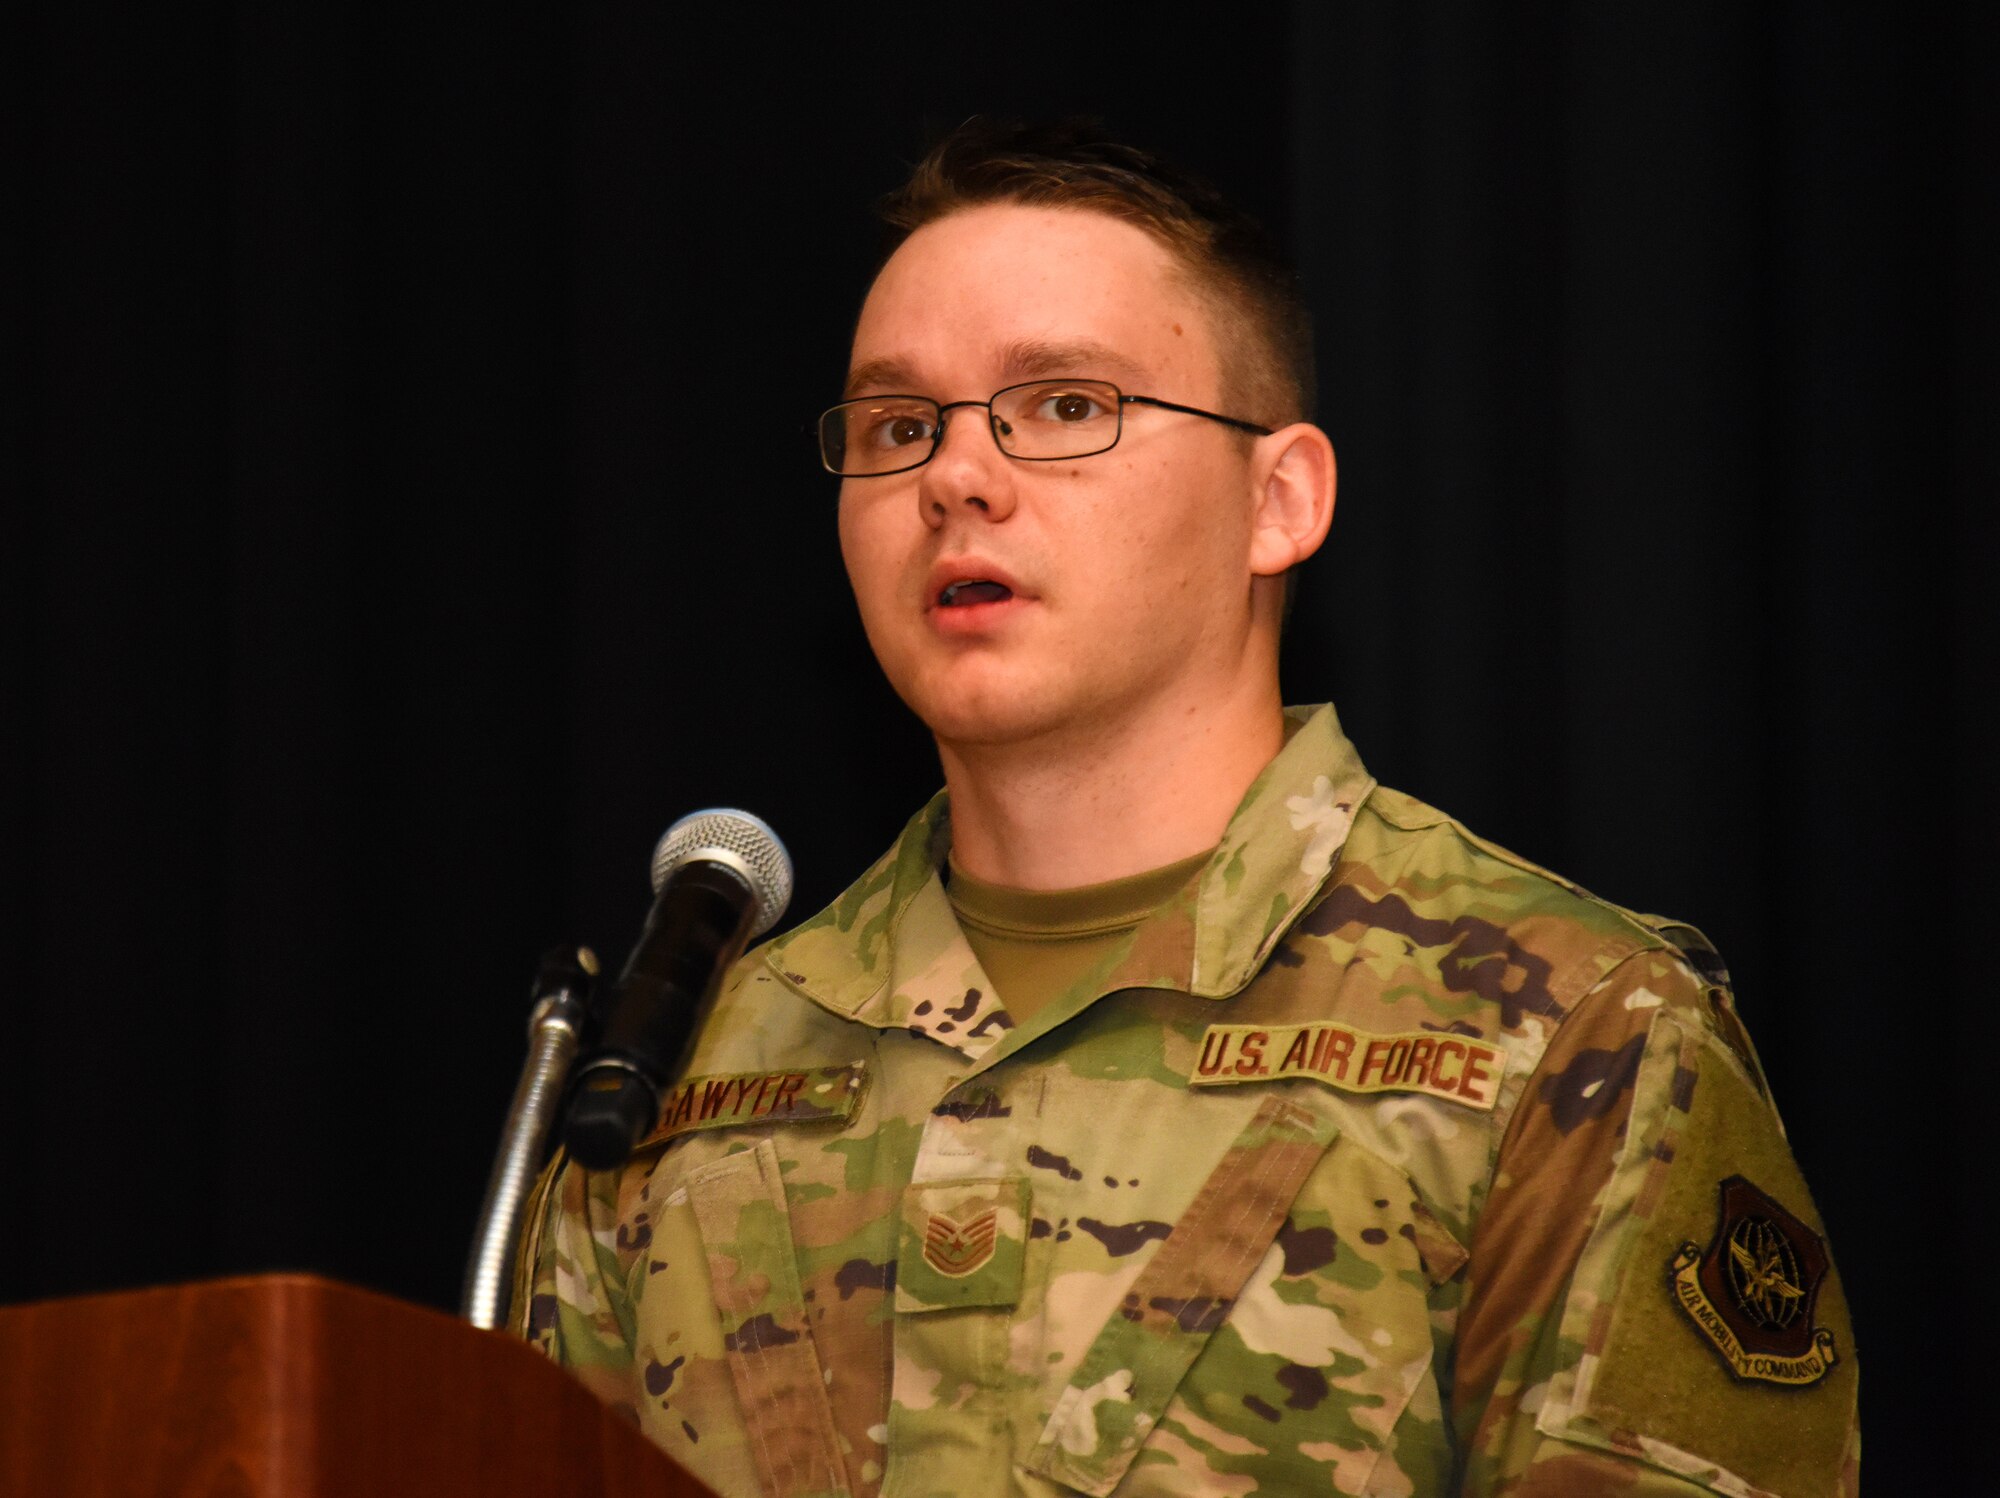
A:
{"x": 721, "y": 834}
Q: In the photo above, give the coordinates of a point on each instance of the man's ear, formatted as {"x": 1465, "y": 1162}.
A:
{"x": 1293, "y": 471}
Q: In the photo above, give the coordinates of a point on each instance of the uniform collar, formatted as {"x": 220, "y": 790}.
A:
{"x": 889, "y": 952}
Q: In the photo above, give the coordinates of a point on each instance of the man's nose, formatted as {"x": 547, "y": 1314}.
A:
{"x": 967, "y": 472}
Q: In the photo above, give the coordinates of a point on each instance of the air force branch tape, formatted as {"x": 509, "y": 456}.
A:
{"x": 1439, "y": 1063}
{"x": 800, "y": 1095}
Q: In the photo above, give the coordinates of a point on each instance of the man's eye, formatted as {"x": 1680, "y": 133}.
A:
{"x": 1068, "y": 406}
{"x": 897, "y": 429}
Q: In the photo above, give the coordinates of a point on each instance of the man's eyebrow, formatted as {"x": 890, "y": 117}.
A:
{"x": 1023, "y": 359}
{"x": 889, "y": 376}
{"x": 1031, "y": 358}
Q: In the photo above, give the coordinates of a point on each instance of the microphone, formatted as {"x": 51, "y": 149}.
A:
{"x": 720, "y": 878}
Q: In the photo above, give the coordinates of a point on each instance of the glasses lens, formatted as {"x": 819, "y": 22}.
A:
{"x": 879, "y": 435}
{"x": 1057, "y": 418}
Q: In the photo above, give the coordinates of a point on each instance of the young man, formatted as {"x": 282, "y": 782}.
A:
{"x": 1174, "y": 1109}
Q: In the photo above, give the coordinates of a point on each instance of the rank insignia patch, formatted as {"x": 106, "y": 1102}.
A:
{"x": 956, "y": 1248}
{"x": 1751, "y": 1292}
{"x": 961, "y": 1243}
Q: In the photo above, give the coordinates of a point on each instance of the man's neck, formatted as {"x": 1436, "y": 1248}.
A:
{"x": 1106, "y": 800}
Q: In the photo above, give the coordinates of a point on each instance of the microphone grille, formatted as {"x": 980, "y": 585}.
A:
{"x": 745, "y": 843}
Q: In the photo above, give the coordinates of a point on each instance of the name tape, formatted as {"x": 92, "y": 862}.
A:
{"x": 803, "y": 1095}
{"x": 1456, "y": 1068}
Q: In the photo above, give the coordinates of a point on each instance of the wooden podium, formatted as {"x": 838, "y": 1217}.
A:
{"x": 294, "y": 1387}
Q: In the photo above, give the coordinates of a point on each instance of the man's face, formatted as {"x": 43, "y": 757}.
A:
{"x": 1124, "y": 577}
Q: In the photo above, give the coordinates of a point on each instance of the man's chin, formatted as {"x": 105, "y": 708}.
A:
{"x": 991, "y": 713}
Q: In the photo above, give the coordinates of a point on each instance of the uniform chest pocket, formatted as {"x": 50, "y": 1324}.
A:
{"x": 1278, "y": 1335}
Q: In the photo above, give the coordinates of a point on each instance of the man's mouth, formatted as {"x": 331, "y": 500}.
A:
{"x": 974, "y": 590}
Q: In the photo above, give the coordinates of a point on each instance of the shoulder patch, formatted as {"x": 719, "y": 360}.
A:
{"x": 740, "y": 1099}
{"x": 1752, "y": 1293}
{"x": 1649, "y": 1312}
{"x": 1439, "y": 1063}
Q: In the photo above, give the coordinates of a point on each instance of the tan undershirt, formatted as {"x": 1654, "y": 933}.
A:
{"x": 1035, "y": 943}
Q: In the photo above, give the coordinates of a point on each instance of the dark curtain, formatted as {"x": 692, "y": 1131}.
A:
{"x": 408, "y": 517}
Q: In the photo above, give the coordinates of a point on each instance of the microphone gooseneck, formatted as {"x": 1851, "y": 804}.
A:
{"x": 561, "y": 1000}
{"x": 721, "y": 877}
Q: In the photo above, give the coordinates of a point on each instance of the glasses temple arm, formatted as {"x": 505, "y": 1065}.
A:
{"x": 1228, "y": 421}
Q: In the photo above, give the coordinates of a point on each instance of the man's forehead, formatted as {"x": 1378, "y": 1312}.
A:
{"x": 1005, "y": 292}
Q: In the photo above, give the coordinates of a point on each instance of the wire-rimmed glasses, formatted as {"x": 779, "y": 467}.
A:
{"x": 1037, "y": 421}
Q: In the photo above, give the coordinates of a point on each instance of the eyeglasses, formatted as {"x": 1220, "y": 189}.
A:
{"x": 1041, "y": 421}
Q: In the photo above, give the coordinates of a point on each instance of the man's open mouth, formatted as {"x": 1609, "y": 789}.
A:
{"x": 961, "y": 594}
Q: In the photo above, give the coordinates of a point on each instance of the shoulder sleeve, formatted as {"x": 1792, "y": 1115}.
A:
{"x": 574, "y": 1304}
{"x": 1651, "y": 1306}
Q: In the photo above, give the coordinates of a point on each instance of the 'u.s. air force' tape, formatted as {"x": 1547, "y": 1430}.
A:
{"x": 806, "y": 1094}
{"x": 1456, "y": 1068}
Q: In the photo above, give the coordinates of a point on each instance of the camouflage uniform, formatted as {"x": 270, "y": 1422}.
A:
{"x": 1379, "y": 1161}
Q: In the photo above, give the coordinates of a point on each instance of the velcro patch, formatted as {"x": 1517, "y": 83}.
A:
{"x": 805, "y": 1095}
{"x": 1456, "y": 1068}
{"x": 1752, "y": 1294}
{"x": 955, "y": 1249}
{"x": 962, "y": 1244}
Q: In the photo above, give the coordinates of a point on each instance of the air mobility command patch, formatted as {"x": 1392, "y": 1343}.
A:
{"x": 1752, "y": 1292}
{"x": 744, "y": 1099}
{"x": 1440, "y": 1063}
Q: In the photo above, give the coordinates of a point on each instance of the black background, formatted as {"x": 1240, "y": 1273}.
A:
{"x": 415, "y": 522}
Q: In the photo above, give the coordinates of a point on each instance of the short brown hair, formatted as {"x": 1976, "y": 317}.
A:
{"x": 1263, "y": 330}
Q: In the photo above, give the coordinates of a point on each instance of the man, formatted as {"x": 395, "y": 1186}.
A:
{"x": 1173, "y": 1109}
